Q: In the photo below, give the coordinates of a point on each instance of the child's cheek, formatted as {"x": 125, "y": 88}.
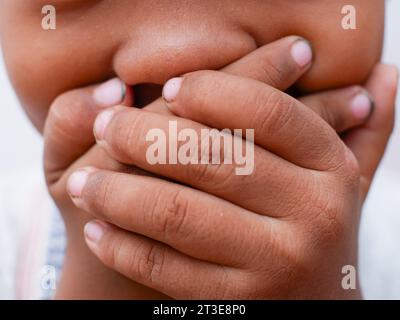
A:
{"x": 341, "y": 56}
{"x": 345, "y": 57}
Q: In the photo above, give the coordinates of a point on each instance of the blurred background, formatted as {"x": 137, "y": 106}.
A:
{"x": 21, "y": 178}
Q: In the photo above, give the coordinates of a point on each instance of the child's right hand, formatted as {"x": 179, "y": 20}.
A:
{"x": 68, "y": 134}
{"x": 285, "y": 230}
{"x": 70, "y": 144}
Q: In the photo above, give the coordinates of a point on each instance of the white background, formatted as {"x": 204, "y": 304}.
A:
{"x": 20, "y": 165}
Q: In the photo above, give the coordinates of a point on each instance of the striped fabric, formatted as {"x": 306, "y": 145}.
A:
{"x": 54, "y": 257}
{"x": 40, "y": 250}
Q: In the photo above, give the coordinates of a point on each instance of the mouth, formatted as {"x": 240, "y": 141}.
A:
{"x": 146, "y": 93}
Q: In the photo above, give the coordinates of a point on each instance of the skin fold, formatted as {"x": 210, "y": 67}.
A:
{"x": 145, "y": 43}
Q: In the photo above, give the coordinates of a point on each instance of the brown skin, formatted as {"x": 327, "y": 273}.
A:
{"x": 66, "y": 141}
{"x": 295, "y": 224}
{"x": 268, "y": 240}
{"x": 152, "y": 41}
{"x": 140, "y": 51}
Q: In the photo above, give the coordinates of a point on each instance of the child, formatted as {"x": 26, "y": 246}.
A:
{"x": 145, "y": 43}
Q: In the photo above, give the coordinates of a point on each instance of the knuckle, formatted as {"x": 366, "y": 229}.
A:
{"x": 272, "y": 113}
{"x": 127, "y": 137}
{"x": 293, "y": 262}
{"x": 245, "y": 287}
{"x": 247, "y": 290}
{"x": 330, "y": 220}
{"x": 352, "y": 169}
{"x": 169, "y": 214}
{"x": 201, "y": 172}
{"x": 347, "y": 168}
{"x": 271, "y": 73}
{"x": 293, "y": 266}
{"x": 283, "y": 275}
{"x": 217, "y": 177}
{"x": 327, "y": 211}
{"x": 337, "y": 159}
{"x": 213, "y": 164}
{"x": 282, "y": 272}
{"x": 150, "y": 263}
{"x": 224, "y": 287}
{"x": 265, "y": 242}
{"x": 100, "y": 193}
{"x": 199, "y": 87}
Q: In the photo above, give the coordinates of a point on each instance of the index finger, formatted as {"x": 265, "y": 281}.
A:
{"x": 281, "y": 124}
{"x": 68, "y": 132}
{"x": 279, "y": 64}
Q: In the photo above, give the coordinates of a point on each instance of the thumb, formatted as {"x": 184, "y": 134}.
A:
{"x": 368, "y": 142}
{"x": 68, "y": 131}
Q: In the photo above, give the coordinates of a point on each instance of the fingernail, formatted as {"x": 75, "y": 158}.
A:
{"x": 101, "y": 123}
{"x": 76, "y": 182}
{"x": 110, "y": 93}
{"x": 171, "y": 89}
{"x": 302, "y": 53}
{"x": 361, "y": 106}
{"x": 94, "y": 231}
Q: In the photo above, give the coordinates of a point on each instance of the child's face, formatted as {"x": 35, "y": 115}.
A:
{"x": 151, "y": 41}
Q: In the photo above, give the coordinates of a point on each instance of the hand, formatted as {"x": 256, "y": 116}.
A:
{"x": 69, "y": 144}
{"x": 295, "y": 221}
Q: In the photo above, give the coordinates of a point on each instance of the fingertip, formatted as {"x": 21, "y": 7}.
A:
{"x": 110, "y": 93}
{"x": 362, "y": 105}
{"x": 94, "y": 231}
{"x": 171, "y": 89}
{"x": 101, "y": 123}
{"x": 302, "y": 52}
{"x": 76, "y": 183}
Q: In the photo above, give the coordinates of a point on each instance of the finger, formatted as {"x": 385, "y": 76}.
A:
{"x": 368, "y": 142}
{"x": 279, "y": 64}
{"x": 156, "y": 265}
{"x": 193, "y": 222}
{"x": 281, "y": 124}
{"x": 204, "y": 160}
{"x": 68, "y": 130}
{"x": 342, "y": 109}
